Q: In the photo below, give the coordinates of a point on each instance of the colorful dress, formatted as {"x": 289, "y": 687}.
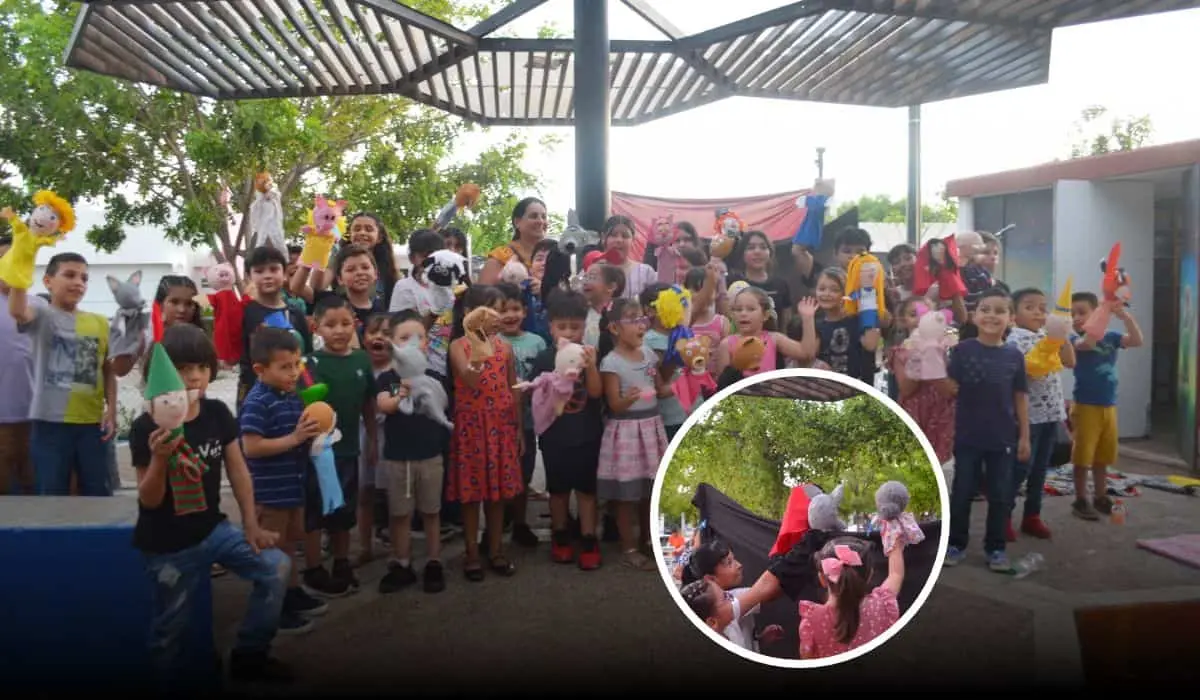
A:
{"x": 633, "y": 441}
{"x": 878, "y": 611}
{"x": 485, "y": 460}
{"x": 932, "y": 410}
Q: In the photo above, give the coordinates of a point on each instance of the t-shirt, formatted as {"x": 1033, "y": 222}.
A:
{"x": 409, "y": 293}
{"x": 581, "y": 422}
{"x": 16, "y": 371}
{"x": 741, "y": 630}
{"x": 361, "y": 314}
{"x": 638, "y": 276}
{"x": 254, "y": 315}
{"x": 350, "y": 383}
{"x": 159, "y": 530}
{"x": 1096, "y": 371}
{"x": 988, "y": 376}
{"x": 278, "y": 479}
{"x": 639, "y": 374}
{"x": 69, "y": 350}
{"x": 1045, "y": 394}
{"x": 408, "y": 438}
{"x": 776, "y": 288}
{"x": 841, "y": 348}
{"x": 525, "y": 347}
{"x": 670, "y": 407}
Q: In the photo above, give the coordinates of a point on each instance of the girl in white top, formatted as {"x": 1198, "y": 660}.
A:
{"x": 617, "y": 236}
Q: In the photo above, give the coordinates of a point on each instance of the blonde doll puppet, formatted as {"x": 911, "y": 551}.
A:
{"x": 52, "y": 218}
{"x": 866, "y": 298}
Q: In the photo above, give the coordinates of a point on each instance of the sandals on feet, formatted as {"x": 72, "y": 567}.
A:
{"x": 473, "y": 570}
{"x": 501, "y": 565}
{"x": 637, "y": 561}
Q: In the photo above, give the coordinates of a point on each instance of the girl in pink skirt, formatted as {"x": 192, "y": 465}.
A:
{"x": 634, "y": 437}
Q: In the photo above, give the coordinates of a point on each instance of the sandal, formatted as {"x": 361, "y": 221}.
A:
{"x": 637, "y": 561}
{"x": 502, "y": 566}
{"x": 473, "y": 570}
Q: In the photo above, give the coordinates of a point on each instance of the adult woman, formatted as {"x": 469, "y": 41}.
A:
{"x": 752, "y": 262}
{"x": 617, "y": 237}
{"x": 529, "y": 227}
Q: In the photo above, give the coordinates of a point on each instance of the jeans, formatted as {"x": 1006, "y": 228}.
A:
{"x": 57, "y": 447}
{"x": 1042, "y": 439}
{"x": 970, "y": 467}
{"x": 176, "y": 575}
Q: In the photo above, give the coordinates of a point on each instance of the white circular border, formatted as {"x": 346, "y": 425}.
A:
{"x": 669, "y": 580}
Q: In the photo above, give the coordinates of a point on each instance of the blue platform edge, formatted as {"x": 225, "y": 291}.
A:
{"x": 75, "y": 604}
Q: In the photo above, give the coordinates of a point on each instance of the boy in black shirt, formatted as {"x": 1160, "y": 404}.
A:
{"x": 181, "y": 530}
{"x": 265, "y": 268}
{"x": 571, "y": 445}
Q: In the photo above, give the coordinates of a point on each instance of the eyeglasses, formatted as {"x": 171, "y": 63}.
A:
{"x": 638, "y": 321}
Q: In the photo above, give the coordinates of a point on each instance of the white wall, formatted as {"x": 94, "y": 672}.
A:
{"x": 1089, "y": 217}
{"x": 966, "y": 214}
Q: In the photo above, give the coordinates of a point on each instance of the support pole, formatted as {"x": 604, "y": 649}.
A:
{"x": 592, "y": 116}
{"x": 912, "y": 216}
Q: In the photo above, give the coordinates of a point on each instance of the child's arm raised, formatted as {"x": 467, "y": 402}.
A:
{"x": 1133, "y": 332}
{"x": 1067, "y": 355}
{"x": 800, "y": 351}
{"x": 810, "y": 341}
{"x": 618, "y": 402}
{"x": 298, "y": 284}
{"x": 591, "y": 374}
{"x": 19, "y": 307}
{"x": 460, "y": 363}
{"x": 243, "y": 492}
{"x": 722, "y": 360}
{"x": 895, "y": 577}
{"x": 870, "y": 339}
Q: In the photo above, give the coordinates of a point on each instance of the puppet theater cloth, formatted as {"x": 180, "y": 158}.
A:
{"x": 75, "y": 602}
{"x": 752, "y": 539}
{"x": 774, "y": 214}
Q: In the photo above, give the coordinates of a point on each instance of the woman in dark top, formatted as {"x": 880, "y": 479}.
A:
{"x": 752, "y": 261}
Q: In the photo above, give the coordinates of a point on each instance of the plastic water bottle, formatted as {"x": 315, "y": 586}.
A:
{"x": 1028, "y": 564}
{"x": 1118, "y": 512}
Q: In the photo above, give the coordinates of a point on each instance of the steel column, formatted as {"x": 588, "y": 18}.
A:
{"x": 592, "y": 114}
{"x": 912, "y": 215}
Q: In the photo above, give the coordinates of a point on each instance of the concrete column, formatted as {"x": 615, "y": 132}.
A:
{"x": 592, "y": 115}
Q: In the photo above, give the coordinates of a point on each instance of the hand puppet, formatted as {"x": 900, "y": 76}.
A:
{"x": 325, "y": 227}
{"x": 51, "y": 220}
{"x": 747, "y": 355}
{"x": 1043, "y": 358}
{"x": 552, "y": 390}
{"x": 695, "y": 384}
{"x": 808, "y": 236}
{"x": 575, "y": 238}
{"x": 514, "y": 272}
{"x": 925, "y": 350}
{"x": 674, "y": 309}
{"x": 823, "y": 511}
{"x": 665, "y": 237}
{"x": 321, "y": 452}
{"x": 970, "y": 244}
{"x": 896, "y": 524}
{"x": 426, "y": 395}
{"x": 446, "y": 272}
{"x": 131, "y": 323}
{"x": 167, "y": 401}
{"x": 865, "y": 284}
{"x": 228, "y": 312}
{"x": 466, "y": 197}
{"x": 1117, "y": 293}
{"x": 937, "y": 261}
{"x": 478, "y": 325}
{"x": 727, "y": 229}
{"x": 266, "y": 215}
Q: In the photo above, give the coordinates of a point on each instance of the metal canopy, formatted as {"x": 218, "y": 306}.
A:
{"x": 884, "y": 53}
{"x": 801, "y": 388}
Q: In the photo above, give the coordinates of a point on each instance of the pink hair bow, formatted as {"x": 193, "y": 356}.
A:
{"x": 843, "y": 557}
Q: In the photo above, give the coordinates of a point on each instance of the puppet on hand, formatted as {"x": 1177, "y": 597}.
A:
{"x": 727, "y": 229}
{"x": 131, "y": 322}
{"x": 823, "y": 511}
{"x": 466, "y": 197}
{"x": 696, "y": 383}
{"x": 51, "y": 220}
{"x": 925, "y": 350}
{"x": 325, "y": 226}
{"x": 808, "y": 236}
{"x": 1043, "y": 359}
{"x": 228, "y": 312}
{"x": 552, "y": 390}
{"x": 1117, "y": 294}
{"x": 167, "y": 402}
{"x": 321, "y": 452}
{"x": 266, "y": 215}
{"x": 937, "y": 262}
{"x": 478, "y": 325}
{"x": 426, "y": 395}
{"x": 665, "y": 237}
{"x": 865, "y": 284}
{"x": 897, "y": 526}
{"x": 674, "y": 309}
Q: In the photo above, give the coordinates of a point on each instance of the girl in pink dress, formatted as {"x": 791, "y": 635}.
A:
{"x": 930, "y": 403}
{"x": 754, "y": 316}
{"x": 853, "y": 615}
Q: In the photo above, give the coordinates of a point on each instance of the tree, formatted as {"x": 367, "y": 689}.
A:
{"x": 1092, "y": 138}
{"x": 881, "y": 208}
{"x": 158, "y": 157}
{"x": 753, "y": 449}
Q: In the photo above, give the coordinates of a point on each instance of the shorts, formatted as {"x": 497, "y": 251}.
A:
{"x": 343, "y": 519}
{"x": 1095, "y": 436}
{"x": 413, "y": 484}
{"x": 571, "y": 468}
{"x": 529, "y": 459}
{"x": 288, "y": 523}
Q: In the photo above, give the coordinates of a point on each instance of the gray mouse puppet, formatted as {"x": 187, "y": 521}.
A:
{"x": 127, "y": 334}
{"x": 897, "y": 526}
{"x": 823, "y": 511}
{"x": 426, "y": 395}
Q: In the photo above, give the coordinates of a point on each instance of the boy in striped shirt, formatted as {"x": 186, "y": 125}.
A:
{"x": 275, "y": 443}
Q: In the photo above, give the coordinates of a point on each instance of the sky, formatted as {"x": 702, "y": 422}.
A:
{"x": 1132, "y": 66}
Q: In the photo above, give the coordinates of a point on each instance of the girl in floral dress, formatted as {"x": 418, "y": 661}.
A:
{"x": 486, "y": 445}
{"x": 930, "y": 403}
{"x": 853, "y": 614}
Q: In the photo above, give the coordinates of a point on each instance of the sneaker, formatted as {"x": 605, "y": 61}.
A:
{"x": 1082, "y": 509}
{"x": 296, "y": 600}
{"x": 1103, "y": 505}
{"x": 342, "y": 571}
{"x": 435, "y": 577}
{"x": 524, "y": 536}
{"x": 258, "y": 666}
{"x": 1010, "y": 534}
{"x": 589, "y": 554}
{"x": 561, "y": 551}
{"x": 954, "y": 556}
{"x": 397, "y": 578}
{"x": 291, "y": 623}
{"x": 318, "y": 581}
{"x": 998, "y": 561}
{"x": 1034, "y": 526}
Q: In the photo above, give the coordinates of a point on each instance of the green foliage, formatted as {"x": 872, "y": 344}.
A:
{"x": 881, "y": 208}
{"x": 1121, "y": 134}
{"x": 754, "y": 449}
{"x": 163, "y": 158}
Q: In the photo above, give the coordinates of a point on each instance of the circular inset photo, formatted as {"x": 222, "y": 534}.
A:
{"x": 801, "y": 516}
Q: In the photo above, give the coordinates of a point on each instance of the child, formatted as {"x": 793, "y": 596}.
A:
{"x": 853, "y": 615}
{"x": 755, "y": 317}
{"x": 456, "y": 240}
{"x": 714, "y": 562}
{"x": 486, "y": 445}
{"x": 929, "y": 402}
{"x": 1046, "y": 412}
{"x": 1094, "y": 413}
{"x": 275, "y": 443}
{"x": 601, "y": 284}
{"x": 347, "y": 373}
{"x": 849, "y": 244}
{"x": 842, "y": 343}
{"x": 16, "y": 393}
{"x": 571, "y": 445}
{"x": 657, "y": 338}
{"x": 707, "y": 320}
{"x": 187, "y": 541}
{"x": 538, "y": 288}
{"x": 176, "y": 296}
{"x": 525, "y": 347}
{"x": 978, "y": 276}
{"x": 991, "y": 423}
{"x": 411, "y": 469}
{"x": 74, "y": 405}
{"x": 377, "y": 338}
{"x": 752, "y": 260}
{"x": 412, "y": 292}
{"x": 354, "y": 267}
{"x": 634, "y": 438}
{"x": 264, "y": 266}
{"x": 617, "y": 238}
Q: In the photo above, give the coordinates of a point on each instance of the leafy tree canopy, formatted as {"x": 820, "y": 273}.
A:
{"x": 1093, "y": 137}
{"x": 881, "y": 208}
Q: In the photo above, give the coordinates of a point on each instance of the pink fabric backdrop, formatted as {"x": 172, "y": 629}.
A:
{"x": 774, "y": 214}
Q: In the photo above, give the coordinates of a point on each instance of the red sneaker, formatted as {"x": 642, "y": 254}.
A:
{"x": 589, "y": 554}
{"x": 1034, "y": 527}
{"x": 561, "y": 551}
{"x": 1009, "y": 533}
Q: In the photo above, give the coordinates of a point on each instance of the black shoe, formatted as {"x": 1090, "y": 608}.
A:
{"x": 297, "y": 601}
{"x": 343, "y": 572}
{"x": 317, "y": 581}
{"x": 291, "y": 623}
{"x": 397, "y": 578}
{"x": 254, "y": 666}
{"x": 435, "y": 577}
{"x": 523, "y": 535}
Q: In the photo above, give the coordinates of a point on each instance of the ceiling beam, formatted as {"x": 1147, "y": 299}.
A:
{"x": 503, "y": 16}
{"x": 655, "y": 18}
{"x": 754, "y": 24}
{"x": 937, "y": 9}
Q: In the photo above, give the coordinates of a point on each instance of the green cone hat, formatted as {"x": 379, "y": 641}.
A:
{"x": 163, "y": 377}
